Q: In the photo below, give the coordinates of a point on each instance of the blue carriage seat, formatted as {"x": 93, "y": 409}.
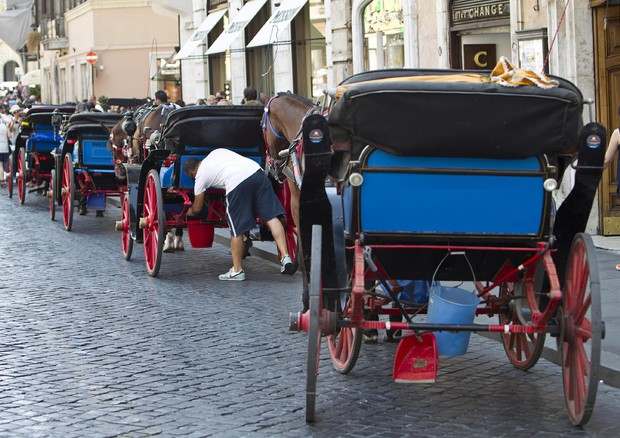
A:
{"x": 95, "y": 153}
{"x": 42, "y": 140}
{"x": 448, "y": 196}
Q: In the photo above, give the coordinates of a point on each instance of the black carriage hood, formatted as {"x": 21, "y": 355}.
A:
{"x": 95, "y": 117}
{"x": 455, "y": 113}
{"x": 43, "y": 114}
{"x": 91, "y": 123}
{"x": 213, "y": 126}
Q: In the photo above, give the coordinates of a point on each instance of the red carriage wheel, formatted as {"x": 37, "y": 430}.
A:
{"x": 581, "y": 330}
{"x": 68, "y": 192}
{"x": 314, "y": 331}
{"x": 344, "y": 347}
{"x": 21, "y": 175}
{"x": 11, "y": 176}
{"x": 523, "y": 349}
{"x": 126, "y": 240}
{"x": 154, "y": 223}
{"x": 52, "y": 194}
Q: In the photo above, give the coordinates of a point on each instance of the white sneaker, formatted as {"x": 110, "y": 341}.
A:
{"x": 232, "y": 275}
{"x": 169, "y": 243}
{"x": 178, "y": 243}
{"x": 287, "y": 266}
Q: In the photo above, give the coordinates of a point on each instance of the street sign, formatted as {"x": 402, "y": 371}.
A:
{"x": 91, "y": 58}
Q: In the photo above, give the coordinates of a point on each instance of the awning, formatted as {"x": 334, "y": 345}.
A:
{"x": 236, "y": 27}
{"x": 33, "y": 77}
{"x": 199, "y": 37}
{"x": 273, "y": 31}
{"x": 15, "y": 23}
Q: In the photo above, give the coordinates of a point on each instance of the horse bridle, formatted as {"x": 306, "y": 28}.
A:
{"x": 287, "y": 155}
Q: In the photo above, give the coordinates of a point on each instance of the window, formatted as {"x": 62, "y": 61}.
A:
{"x": 309, "y": 50}
{"x": 62, "y": 86}
{"x": 383, "y": 35}
{"x": 219, "y": 64}
{"x": 9, "y": 71}
{"x": 259, "y": 60}
{"x": 84, "y": 81}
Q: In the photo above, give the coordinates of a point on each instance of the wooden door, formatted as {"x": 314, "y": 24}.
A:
{"x": 607, "y": 58}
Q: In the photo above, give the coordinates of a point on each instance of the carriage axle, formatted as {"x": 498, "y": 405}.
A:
{"x": 329, "y": 325}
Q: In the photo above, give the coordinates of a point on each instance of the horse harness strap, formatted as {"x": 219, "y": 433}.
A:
{"x": 266, "y": 122}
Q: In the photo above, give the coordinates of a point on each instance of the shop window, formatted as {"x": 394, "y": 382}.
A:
{"x": 309, "y": 50}
{"x": 259, "y": 60}
{"x": 218, "y": 64}
{"x": 383, "y": 35}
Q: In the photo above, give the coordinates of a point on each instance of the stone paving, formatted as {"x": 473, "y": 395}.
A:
{"x": 91, "y": 346}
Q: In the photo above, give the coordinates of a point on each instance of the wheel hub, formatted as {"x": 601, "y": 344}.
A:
{"x": 569, "y": 329}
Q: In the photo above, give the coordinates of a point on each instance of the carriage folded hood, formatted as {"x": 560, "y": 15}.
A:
{"x": 450, "y": 113}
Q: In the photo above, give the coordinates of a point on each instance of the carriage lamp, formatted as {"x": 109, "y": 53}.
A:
{"x": 550, "y": 184}
{"x": 356, "y": 179}
{"x": 316, "y": 136}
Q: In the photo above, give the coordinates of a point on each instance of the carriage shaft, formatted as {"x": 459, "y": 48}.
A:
{"x": 492, "y": 328}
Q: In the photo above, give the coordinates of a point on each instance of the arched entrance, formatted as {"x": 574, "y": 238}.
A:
{"x": 9, "y": 72}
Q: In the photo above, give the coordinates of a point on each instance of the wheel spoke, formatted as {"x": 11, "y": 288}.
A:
{"x": 525, "y": 346}
{"x": 338, "y": 342}
{"x": 583, "y": 357}
{"x": 583, "y": 310}
{"x": 584, "y": 331}
{"x": 344, "y": 353}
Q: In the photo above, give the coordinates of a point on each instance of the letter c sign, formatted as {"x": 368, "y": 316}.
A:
{"x": 478, "y": 59}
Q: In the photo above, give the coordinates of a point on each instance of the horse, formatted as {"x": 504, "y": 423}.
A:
{"x": 284, "y": 114}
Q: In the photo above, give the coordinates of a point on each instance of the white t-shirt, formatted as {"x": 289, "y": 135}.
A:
{"x": 223, "y": 169}
{"x": 4, "y": 134}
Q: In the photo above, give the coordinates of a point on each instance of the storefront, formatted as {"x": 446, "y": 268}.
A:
{"x": 384, "y": 35}
{"x": 479, "y": 33}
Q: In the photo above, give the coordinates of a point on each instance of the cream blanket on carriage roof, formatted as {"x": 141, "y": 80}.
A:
{"x": 504, "y": 74}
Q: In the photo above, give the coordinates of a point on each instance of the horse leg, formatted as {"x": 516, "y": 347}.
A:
{"x": 295, "y": 196}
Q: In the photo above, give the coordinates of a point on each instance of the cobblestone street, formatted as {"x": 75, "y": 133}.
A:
{"x": 91, "y": 346}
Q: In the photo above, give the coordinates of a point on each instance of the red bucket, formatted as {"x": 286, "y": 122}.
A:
{"x": 200, "y": 234}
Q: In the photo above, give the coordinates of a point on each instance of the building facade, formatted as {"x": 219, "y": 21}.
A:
{"x": 270, "y": 45}
{"x": 132, "y": 42}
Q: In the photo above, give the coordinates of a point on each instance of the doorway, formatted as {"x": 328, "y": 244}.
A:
{"x": 607, "y": 67}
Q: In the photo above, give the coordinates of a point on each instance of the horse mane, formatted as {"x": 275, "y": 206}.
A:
{"x": 301, "y": 99}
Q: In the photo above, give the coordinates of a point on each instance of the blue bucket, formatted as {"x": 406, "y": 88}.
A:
{"x": 451, "y": 305}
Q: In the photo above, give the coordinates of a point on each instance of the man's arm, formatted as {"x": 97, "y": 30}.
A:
{"x": 612, "y": 148}
{"x": 198, "y": 205}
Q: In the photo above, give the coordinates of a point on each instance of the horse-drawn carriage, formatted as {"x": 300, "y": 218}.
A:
{"x": 160, "y": 192}
{"x": 447, "y": 176}
{"x": 83, "y": 172}
{"x": 32, "y": 162}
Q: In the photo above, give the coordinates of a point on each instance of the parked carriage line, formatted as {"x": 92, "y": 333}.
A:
{"x": 405, "y": 201}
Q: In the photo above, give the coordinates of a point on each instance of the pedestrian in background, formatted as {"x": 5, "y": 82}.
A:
{"x": 250, "y": 97}
{"x": 5, "y": 120}
{"x": 610, "y": 155}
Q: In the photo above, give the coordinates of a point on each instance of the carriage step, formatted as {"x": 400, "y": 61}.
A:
{"x": 416, "y": 359}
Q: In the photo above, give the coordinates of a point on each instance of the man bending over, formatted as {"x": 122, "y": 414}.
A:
{"x": 249, "y": 194}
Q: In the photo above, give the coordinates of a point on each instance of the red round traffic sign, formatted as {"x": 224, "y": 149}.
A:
{"x": 91, "y": 58}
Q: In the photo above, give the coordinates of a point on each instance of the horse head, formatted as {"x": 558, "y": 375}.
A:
{"x": 282, "y": 121}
